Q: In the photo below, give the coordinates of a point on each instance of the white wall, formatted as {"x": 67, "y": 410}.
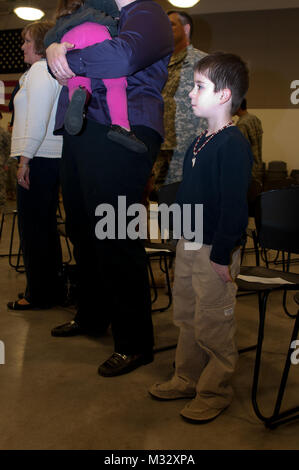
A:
{"x": 280, "y": 140}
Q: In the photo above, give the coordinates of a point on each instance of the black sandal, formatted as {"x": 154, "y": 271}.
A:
{"x": 17, "y": 306}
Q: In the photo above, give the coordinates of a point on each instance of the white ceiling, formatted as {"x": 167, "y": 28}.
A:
{"x": 204, "y": 6}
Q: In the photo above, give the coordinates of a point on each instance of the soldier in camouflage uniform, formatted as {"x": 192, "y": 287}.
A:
{"x": 181, "y": 126}
{"x": 4, "y": 155}
{"x": 251, "y": 127}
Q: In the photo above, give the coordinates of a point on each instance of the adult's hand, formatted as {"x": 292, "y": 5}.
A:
{"x": 56, "y": 57}
{"x": 222, "y": 271}
{"x": 23, "y": 176}
{"x": 62, "y": 82}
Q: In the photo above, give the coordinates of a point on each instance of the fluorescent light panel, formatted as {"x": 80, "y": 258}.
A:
{"x": 29, "y": 13}
{"x": 183, "y": 3}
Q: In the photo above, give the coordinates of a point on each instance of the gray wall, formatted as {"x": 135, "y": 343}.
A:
{"x": 267, "y": 40}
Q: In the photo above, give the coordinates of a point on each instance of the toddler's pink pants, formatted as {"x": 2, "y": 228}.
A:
{"x": 88, "y": 34}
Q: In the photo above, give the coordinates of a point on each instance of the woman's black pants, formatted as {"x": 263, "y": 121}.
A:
{"x": 113, "y": 278}
{"x": 38, "y": 232}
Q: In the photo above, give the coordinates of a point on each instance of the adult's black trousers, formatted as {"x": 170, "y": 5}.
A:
{"x": 113, "y": 278}
{"x": 39, "y": 237}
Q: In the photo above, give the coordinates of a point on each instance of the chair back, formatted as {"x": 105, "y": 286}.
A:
{"x": 255, "y": 188}
{"x": 277, "y": 219}
{"x": 277, "y": 166}
{"x": 295, "y": 176}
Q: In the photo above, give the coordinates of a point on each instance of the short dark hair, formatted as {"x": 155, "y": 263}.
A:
{"x": 37, "y": 32}
{"x": 226, "y": 70}
{"x": 184, "y": 18}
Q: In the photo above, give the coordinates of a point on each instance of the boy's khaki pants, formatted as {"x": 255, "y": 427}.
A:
{"x": 206, "y": 354}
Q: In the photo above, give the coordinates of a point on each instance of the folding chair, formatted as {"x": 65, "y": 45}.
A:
{"x": 165, "y": 251}
{"x": 18, "y": 267}
{"x": 255, "y": 189}
{"x": 62, "y": 233}
{"x": 277, "y": 222}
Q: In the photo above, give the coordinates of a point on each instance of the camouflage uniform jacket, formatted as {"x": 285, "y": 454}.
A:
{"x": 251, "y": 128}
{"x": 181, "y": 126}
{"x": 4, "y": 155}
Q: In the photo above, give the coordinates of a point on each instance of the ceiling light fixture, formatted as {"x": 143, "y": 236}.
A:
{"x": 184, "y": 3}
{"x": 29, "y": 13}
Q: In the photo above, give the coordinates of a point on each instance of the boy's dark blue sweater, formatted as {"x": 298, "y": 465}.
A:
{"x": 219, "y": 180}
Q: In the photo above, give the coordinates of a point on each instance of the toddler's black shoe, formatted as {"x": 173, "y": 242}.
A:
{"x": 73, "y": 120}
{"x": 126, "y": 138}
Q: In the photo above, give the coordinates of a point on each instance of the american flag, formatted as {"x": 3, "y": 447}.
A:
{"x": 11, "y": 64}
{"x": 11, "y": 54}
{"x": 7, "y": 86}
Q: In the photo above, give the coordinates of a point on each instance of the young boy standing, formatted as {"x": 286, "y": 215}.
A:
{"x": 217, "y": 170}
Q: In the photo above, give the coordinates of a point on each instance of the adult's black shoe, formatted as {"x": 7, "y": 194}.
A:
{"x": 72, "y": 328}
{"x": 119, "y": 364}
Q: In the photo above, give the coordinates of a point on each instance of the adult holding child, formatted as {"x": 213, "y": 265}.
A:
{"x": 38, "y": 152}
{"x": 113, "y": 278}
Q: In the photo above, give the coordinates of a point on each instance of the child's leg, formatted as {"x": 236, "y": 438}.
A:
{"x": 81, "y": 36}
{"x": 116, "y": 98}
{"x": 190, "y": 359}
{"x": 75, "y": 82}
{"x": 214, "y": 331}
{"x": 86, "y": 35}
{"x": 206, "y": 354}
{"x": 120, "y": 131}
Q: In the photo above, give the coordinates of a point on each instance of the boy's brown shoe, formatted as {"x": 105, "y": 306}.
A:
{"x": 194, "y": 413}
{"x": 167, "y": 391}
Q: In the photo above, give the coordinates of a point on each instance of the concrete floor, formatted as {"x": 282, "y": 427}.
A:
{"x": 51, "y": 396}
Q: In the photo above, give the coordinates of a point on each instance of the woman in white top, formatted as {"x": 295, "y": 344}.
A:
{"x": 38, "y": 152}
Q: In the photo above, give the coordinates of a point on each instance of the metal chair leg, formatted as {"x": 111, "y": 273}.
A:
{"x": 277, "y": 417}
{"x": 169, "y": 291}
{"x": 18, "y": 267}
{"x": 152, "y": 281}
{"x": 262, "y": 310}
